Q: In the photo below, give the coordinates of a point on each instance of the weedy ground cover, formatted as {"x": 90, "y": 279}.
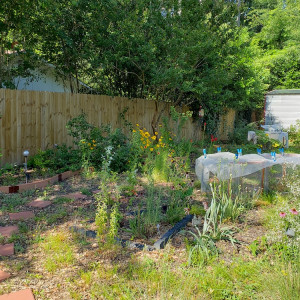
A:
{"x": 239, "y": 250}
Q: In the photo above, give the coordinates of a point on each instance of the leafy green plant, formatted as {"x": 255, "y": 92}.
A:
{"x": 11, "y": 202}
{"x": 62, "y": 200}
{"x": 177, "y": 203}
{"x": 101, "y": 219}
{"x": 202, "y": 249}
{"x": 56, "y": 160}
{"x": 294, "y": 134}
{"x": 100, "y": 147}
{"x": 86, "y": 191}
{"x": 258, "y": 246}
{"x": 113, "y": 224}
{"x": 137, "y": 225}
{"x": 144, "y": 223}
{"x": 197, "y": 210}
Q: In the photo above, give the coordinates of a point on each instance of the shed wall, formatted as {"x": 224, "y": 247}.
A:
{"x": 282, "y": 109}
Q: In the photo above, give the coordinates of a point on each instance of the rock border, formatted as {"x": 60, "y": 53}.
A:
{"x": 12, "y": 189}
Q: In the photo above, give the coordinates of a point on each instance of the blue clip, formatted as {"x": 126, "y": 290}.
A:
{"x": 219, "y": 149}
{"x": 258, "y": 150}
{"x": 236, "y": 156}
{"x": 273, "y": 155}
{"x": 281, "y": 151}
{"x": 239, "y": 151}
{"x": 204, "y": 152}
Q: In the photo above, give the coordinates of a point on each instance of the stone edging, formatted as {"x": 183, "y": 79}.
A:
{"x": 37, "y": 184}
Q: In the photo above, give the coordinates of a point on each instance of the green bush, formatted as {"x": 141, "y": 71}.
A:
{"x": 58, "y": 159}
{"x": 96, "y": 145}
{"x": 294, "y": 134}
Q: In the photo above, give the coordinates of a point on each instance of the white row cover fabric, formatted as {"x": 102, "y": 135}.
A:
{"x": 225, "y": 165}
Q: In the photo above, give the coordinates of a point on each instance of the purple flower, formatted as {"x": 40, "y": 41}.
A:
{"x": 294, "y": 211}
{"x": 282, "y": 214}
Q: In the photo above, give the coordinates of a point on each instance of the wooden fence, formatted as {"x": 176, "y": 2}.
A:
{"x": 35, "y": 120}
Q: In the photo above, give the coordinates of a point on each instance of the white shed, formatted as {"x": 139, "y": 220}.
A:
{"x": 42, "y": 76}
{"x": 282, "y": 108}
{"x": 45, "y": 78}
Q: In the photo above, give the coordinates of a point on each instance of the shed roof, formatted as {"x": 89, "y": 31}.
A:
{"x": 284, "y": 92}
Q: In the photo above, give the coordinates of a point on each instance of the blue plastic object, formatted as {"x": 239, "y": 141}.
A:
{"x": 273, "y": 155}
{"x": 281, "y": 151}
{"x": 239, "y": 151}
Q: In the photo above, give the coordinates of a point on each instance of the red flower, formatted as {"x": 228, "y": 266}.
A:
{"x": 212, "y": 138}
{"x": 204, "y": 123}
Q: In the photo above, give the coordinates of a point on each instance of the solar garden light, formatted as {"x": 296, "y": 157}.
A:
{"x": 25, "y": 154}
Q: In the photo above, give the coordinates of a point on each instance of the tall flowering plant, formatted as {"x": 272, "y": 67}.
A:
{"x": 213, "y": 139}
{"x": 290, "y": 218}
{"x": 87, "y": 147}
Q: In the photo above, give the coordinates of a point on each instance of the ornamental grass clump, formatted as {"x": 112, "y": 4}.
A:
{"x": 203, "y": 247}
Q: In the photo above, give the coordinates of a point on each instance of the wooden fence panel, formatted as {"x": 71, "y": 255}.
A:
{"x": 36, "y": 120}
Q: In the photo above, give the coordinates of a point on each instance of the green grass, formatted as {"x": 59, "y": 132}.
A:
{"x": 62, "y": 200}
{"x": 10, "y": 203}
{"x": 58, "y": 251}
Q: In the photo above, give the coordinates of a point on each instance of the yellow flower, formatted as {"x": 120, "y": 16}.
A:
{"x": 137, "y": 125}
{"x": 94, "y": 141}
{"x": 147, "y": 134}
{"x": 142, "y": 147}
{"x": 89, "y": 144}
{"x": 157, "y": 146}
{"x": 144, "y": 142}
{"x": 170, "y": 139}
{"x": 91, "y": 148}
{"x": 83, "y": 142}
{"x": 267, "y": 134}
{"x": 156, "y": 133}
{"x": 133, "y": 130}
{"x": 142, "y": 139}
{"x": 151, "y": 149}
{"x": 160, "y": 125}
{"x": 153, "y": 137}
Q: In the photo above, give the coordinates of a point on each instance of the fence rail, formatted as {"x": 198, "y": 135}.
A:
{"x": 36, "y": 120}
